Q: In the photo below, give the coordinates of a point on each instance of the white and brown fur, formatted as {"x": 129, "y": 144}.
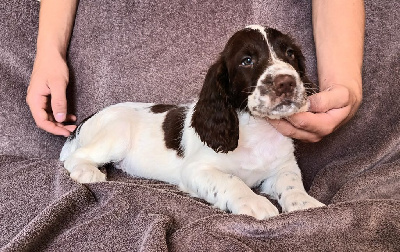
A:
{"x": 218, "y": 147}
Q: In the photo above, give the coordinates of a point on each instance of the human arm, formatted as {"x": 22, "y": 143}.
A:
{"x": 50, "y": 74}
{"x": 339, "y": 37}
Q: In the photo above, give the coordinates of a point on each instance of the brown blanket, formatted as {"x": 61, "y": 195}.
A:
{"x": 159, "y": 52}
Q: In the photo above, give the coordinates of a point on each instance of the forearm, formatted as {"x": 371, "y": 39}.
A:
{"x": 56, "y": 19}
{"x": 339, "y": 39}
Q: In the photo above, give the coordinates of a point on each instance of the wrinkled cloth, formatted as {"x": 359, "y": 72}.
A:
{"x": 159, "y": 52}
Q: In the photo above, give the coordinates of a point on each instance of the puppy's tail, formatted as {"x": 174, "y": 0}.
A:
{"x": 72, "y": 142}
{"x": 69, "y": 147}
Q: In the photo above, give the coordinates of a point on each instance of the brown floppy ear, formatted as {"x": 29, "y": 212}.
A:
{"x": 214, "y": 118}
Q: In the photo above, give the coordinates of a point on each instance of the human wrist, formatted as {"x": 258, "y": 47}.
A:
{"x": 350, "y": 90}
{"x": 56, "y": 19}
{"x": 51, "y": 46}
{"x": 50, "y": 63}
{"x": 352, "y": 82}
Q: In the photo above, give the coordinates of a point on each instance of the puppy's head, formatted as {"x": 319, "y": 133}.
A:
{"x": 261, "y": 71}
{"x": 268, "y": 68}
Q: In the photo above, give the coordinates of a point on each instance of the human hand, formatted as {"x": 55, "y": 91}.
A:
{"x": 46, "y": 95}
{"x": 328, "y": 110}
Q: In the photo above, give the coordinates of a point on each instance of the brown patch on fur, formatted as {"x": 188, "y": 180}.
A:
{"x": 173, "y": 128}
{"x": 161, "y": 108}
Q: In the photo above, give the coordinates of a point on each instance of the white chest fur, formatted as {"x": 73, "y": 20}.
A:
{"x": 261, "y": 150}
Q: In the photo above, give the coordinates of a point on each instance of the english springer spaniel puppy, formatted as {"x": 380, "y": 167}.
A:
{"x": 218, "y": 147}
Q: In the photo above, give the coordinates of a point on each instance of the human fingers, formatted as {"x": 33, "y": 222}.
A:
{"x": 57, "y": 129}
{"x": 331, "y": 108}
{"x": 287, "y": 129}
{"x": 43, "y": 121}
{"x": 70, "y": 118}
{"x": 318, "y": 124}
{"x": 334, "y": 97}
{"x": 69, "y": 127}
{"x": 311, "y": 127}
{"x": 59, "y": 100}
{"x": 37, "y": 97}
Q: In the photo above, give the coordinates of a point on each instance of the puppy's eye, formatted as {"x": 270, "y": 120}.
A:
{"x": 290, "y": 53}
{"x": 247, "y": 61}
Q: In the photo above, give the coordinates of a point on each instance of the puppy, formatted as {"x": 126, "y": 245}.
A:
{"x": 221, "y": 145}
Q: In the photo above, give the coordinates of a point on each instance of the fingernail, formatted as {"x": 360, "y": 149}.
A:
{"x": 308, "y": 105}
{"x": 60, "y": 117}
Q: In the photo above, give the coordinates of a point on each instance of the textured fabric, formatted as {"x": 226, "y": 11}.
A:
{"x": 159, "y": 52}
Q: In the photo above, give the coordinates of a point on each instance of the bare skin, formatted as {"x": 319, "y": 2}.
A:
{"x": 339, "y": 39}
{"x": 50, "y": 75}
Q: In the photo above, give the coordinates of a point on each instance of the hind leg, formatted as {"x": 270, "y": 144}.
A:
{"x": 87, "y": 173}
{"x": 106, "y": 147}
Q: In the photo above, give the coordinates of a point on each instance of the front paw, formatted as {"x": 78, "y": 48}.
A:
{"x": 87, "y": 174}
{"x": 299, "y": 201}
{"x": 255, "y": 205}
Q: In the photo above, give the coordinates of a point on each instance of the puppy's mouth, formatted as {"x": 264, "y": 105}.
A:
{"x": 285, "y": 103}
{"x": 281, "y": 110}
{"x": 284, "y": 109}
{"x": 278, "y": 96}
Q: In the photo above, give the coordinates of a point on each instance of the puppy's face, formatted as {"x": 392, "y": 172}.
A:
{"x": 261, "y": 71}
{"x": 266, "y": 72}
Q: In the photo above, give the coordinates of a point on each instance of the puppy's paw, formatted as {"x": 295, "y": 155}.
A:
{"x": 299, "y": 201}
{"x": 87, "y": 174}
{"x": 255, "y": 205}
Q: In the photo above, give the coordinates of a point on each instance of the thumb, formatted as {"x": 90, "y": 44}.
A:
{"x": 334, "y": 97}
{"x": 59, "y": 102}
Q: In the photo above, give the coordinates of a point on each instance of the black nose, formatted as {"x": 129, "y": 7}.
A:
{"x": 284, "y": 84}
